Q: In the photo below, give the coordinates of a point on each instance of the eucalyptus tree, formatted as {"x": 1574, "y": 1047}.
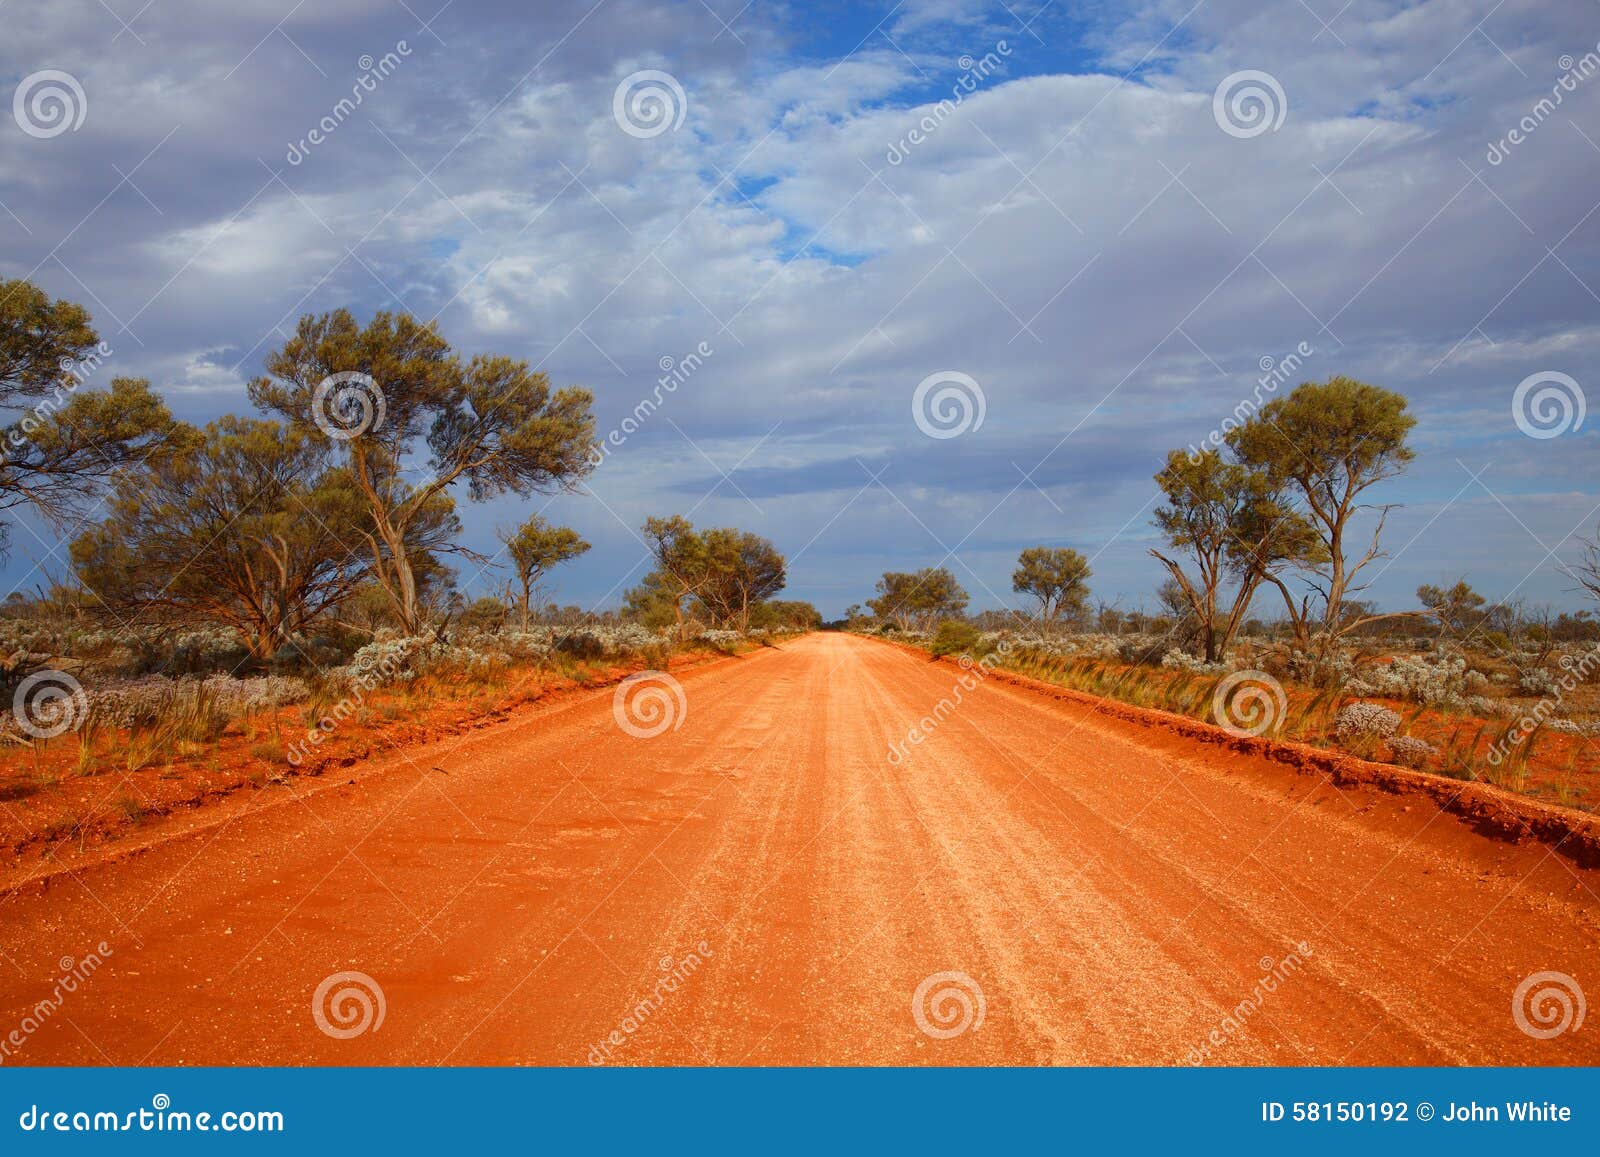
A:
{"x": 392, "y": 391}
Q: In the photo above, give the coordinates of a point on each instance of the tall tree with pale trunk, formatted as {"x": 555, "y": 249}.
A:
{"x": 387, "y": 391}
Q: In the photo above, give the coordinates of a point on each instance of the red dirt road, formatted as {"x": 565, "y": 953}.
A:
{"x": 762, "y": 885}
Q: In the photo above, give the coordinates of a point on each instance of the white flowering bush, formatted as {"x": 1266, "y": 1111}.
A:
{"x": 1537, "y": 681}
{"x": 1086, "y": 646}
{"x": 525, "y": 646}
{"x": 1483, "y": 705}
{"x": 1316, "y": 667}
{"x": 387, "y": 659}
{"x": 1365, "y": 721}
{"x": 1177, "y": 660}
{"x": 1419, "y": 678}
{"x": 149, "y": 700}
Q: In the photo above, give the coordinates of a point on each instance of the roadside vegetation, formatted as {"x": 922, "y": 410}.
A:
{"x": 273, "y": 593}
{"x": 277, "y": 591}
{"x": 1268, "y": 544}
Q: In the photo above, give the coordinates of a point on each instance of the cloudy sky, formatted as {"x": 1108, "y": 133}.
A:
{"x": 1097, "y": 247}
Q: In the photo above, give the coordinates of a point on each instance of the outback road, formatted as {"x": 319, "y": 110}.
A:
{"x": 1108, "y": 894}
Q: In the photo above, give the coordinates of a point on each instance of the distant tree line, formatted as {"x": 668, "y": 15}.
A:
{"x": 1271, "y": 508}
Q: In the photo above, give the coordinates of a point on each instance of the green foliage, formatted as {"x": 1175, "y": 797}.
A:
{"x": 785, "y": 615}
{"x": 1233, "y": 524}
{"x": 919, "y": 598}
{"x": 63, "y": 446}
{"x": 725, "y": 571}
{"x": 1057, "y": 577}
{"x": 534, "y": 548}
{"x": 249, "y": 527}
{"x": 492, "y": 422}
{"x": 742, "y": 569}
{"x": 1457, "y": 608}
{"x": 953, "y": 637}
{"x": 1322, "y": 446}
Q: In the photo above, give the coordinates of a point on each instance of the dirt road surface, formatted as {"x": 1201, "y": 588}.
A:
{"x": 760, "y": 884}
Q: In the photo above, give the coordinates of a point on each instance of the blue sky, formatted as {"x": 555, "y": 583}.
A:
{"x": 1081, "y": 237}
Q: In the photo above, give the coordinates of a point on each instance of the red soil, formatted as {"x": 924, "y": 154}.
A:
{"x": 1116, "y": 885}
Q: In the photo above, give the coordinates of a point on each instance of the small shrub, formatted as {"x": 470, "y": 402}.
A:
{"x": 1418, "y": 678}
{"x": 954, "y": 638}
{"x": 1357, "y": 721}
{"x": 1409, "y": 751}
{"x": 1537, "y": 681}
{"x": 582, "y": 645}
